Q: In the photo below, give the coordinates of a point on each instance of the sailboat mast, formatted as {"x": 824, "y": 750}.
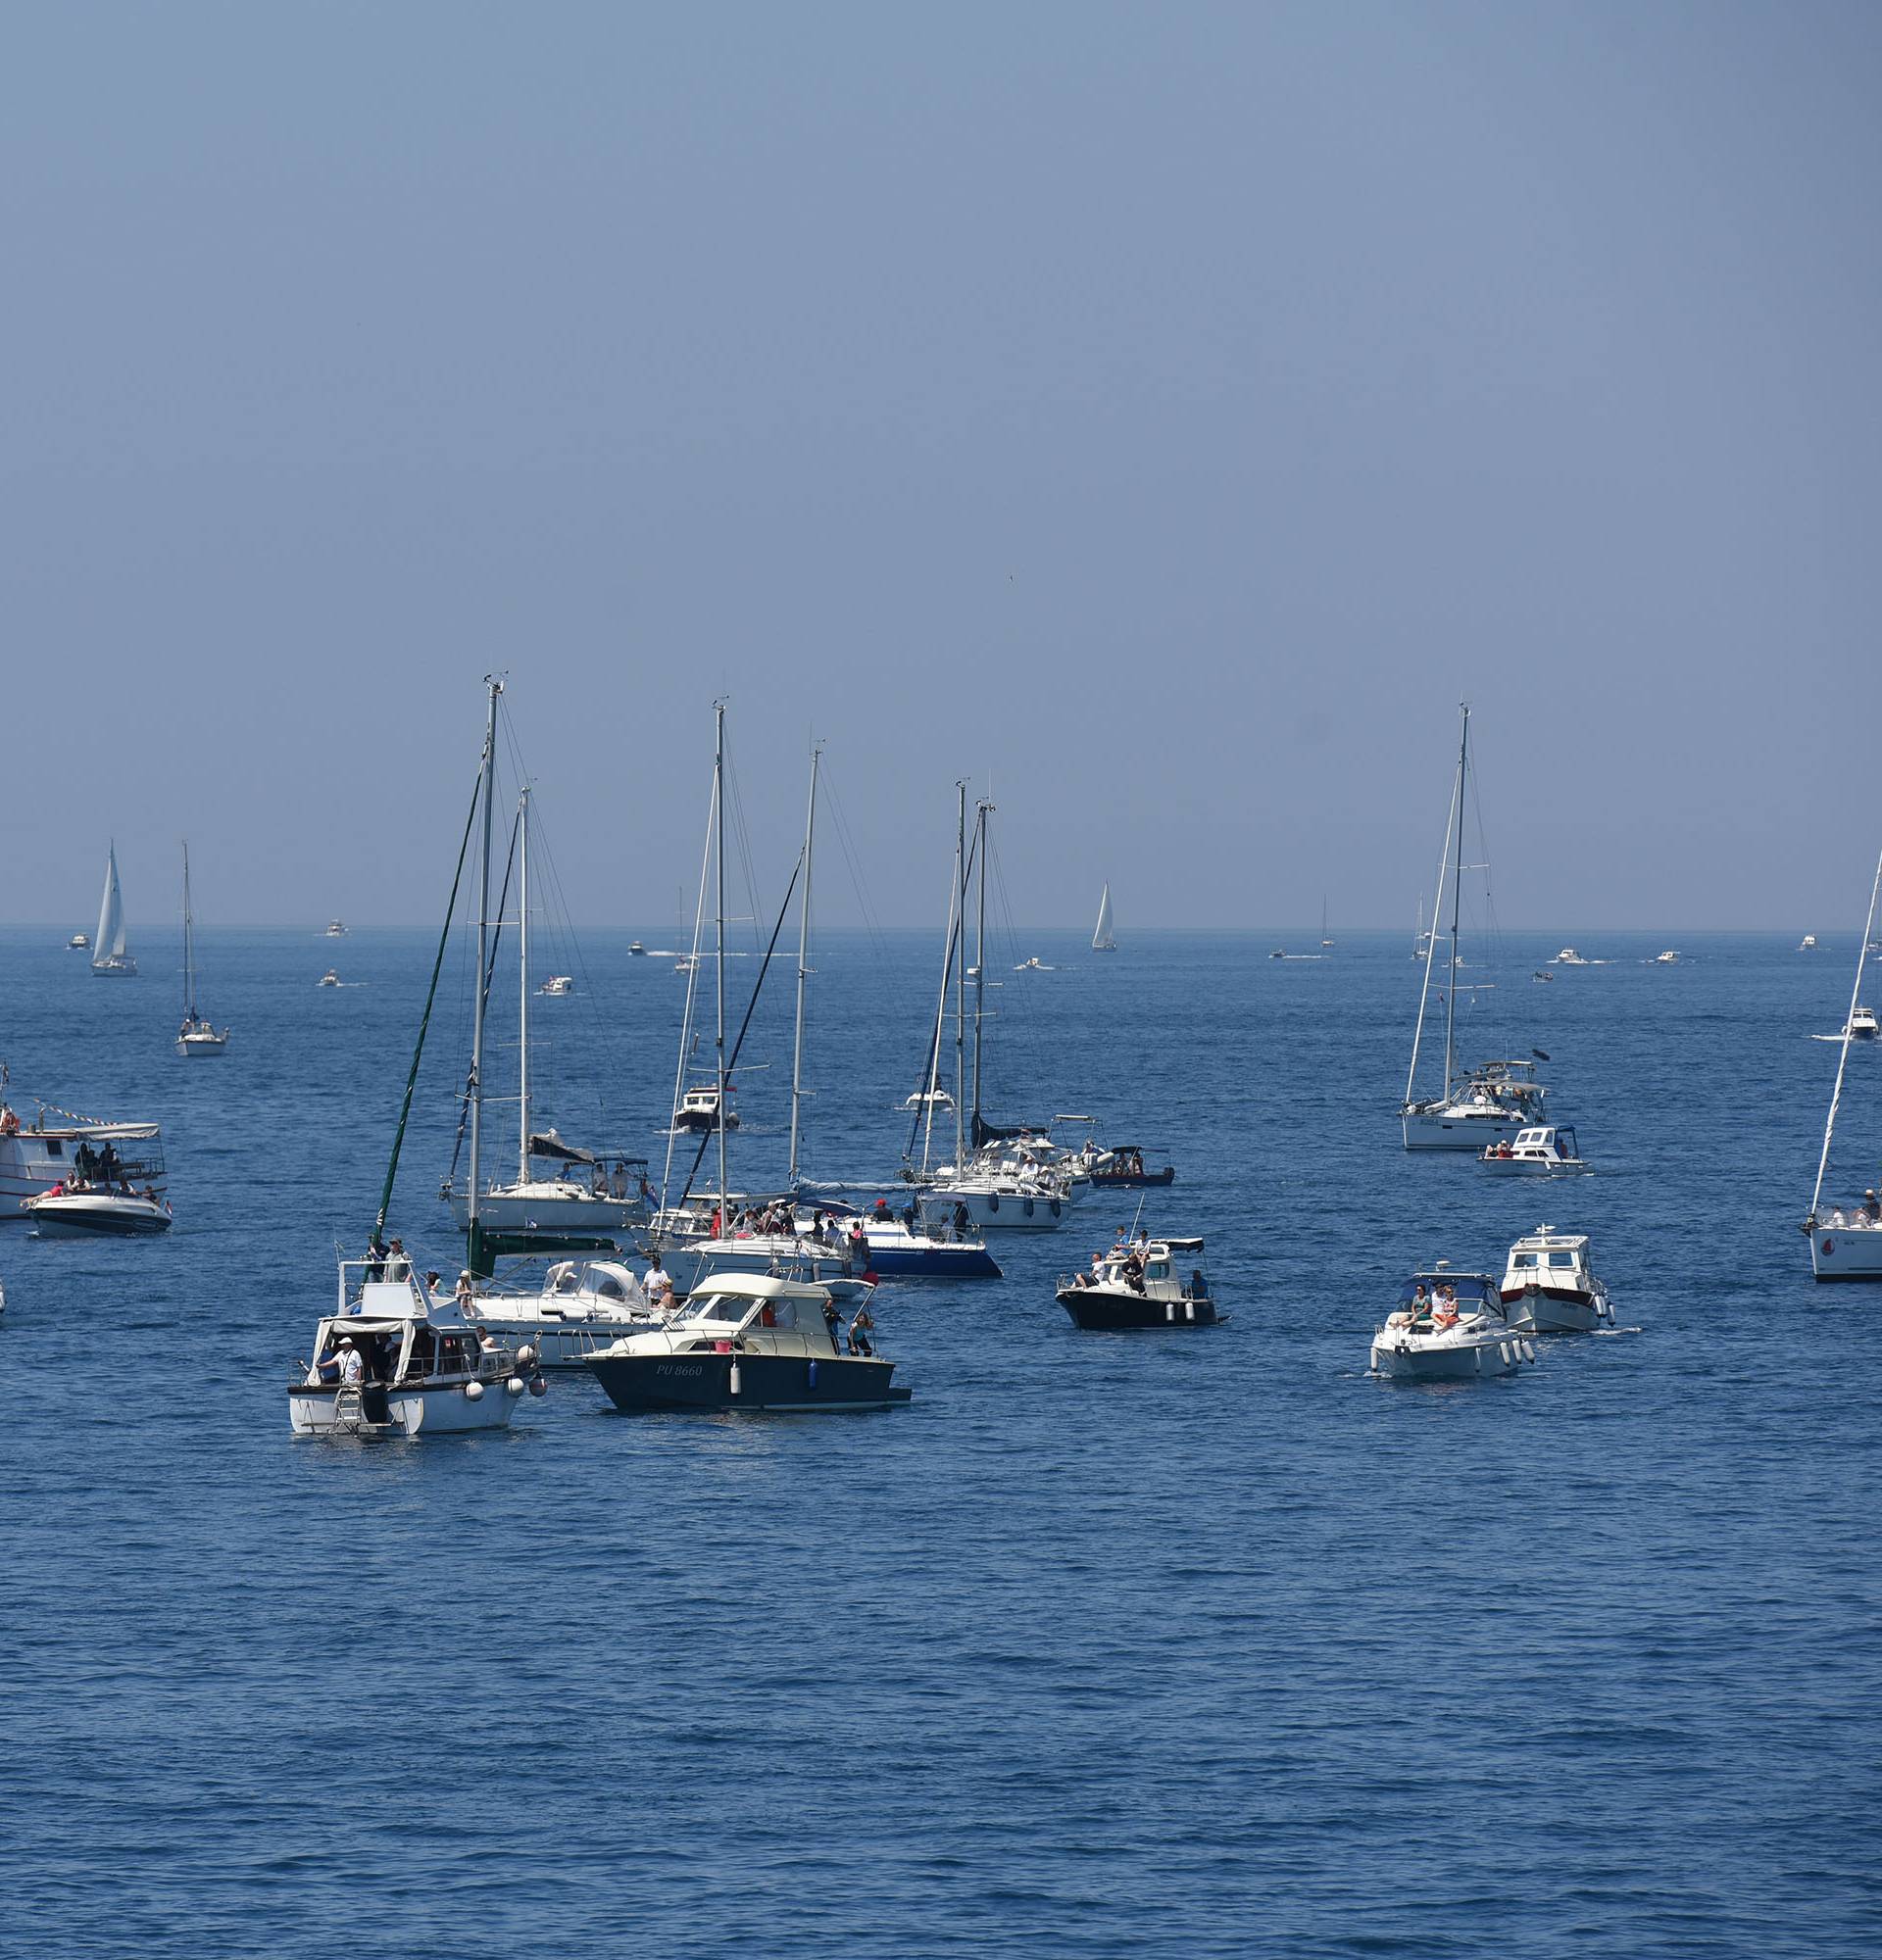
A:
{"x": 475, "y": 1248}
{"x": 961, "y": 983}
{"x": 189, "y": 946}
{"x": 718, "y": 880}
{"x": 1456, "y": 901}
{"x": 980, "y": 957}
{"x": 1843, "y": 1057}
{"x": 802, "y": 969}
{"x": 523, "y": 1011}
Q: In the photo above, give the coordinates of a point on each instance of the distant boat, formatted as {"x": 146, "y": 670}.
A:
{"x": 1668, "y": 958}
{"x": 330, "y": 978}
{"x": 636, "y": 951}
{"x": 1103, "y": 939}
{"x": 1807, "y": 944}
{"x": 336, "y": 928}
{"x": 78, "y": 942}
{"x": 557, "y": 984}
{"x": 197, "y": 1036}
{"x": 1324, "y": 939}
{"x": 110, "y": 961}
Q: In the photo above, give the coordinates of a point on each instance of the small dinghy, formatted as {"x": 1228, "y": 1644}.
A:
{"x": 94, "y": 1211}
{"x": 1151, "y": 1283}
{"x": 747, "y": 1341}
{"x": 1546, "y": 1149}
{"x": 1449, "y": 1327}
{"x": 1549, "y": 1286}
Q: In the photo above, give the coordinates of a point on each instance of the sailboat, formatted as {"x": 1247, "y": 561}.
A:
{"x": 1475, "y": 1107}
{"x": 1324, "y": 939}
{"x": 1846, "y": 1243}
{"x": 1103, "y": 939}
{"x": 197, "y": 1036}
{"x": 108, "y": 959}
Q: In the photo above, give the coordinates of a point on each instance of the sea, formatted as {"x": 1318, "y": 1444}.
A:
{"x": 1190, "y": 1643}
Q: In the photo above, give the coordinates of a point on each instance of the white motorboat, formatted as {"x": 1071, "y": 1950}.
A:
{"x": 1147, "y": 1283}
{"x": 1104, "y": 938}
{"x": 110, "y": 958}
{"x": 579, "y": 1310}
{"x": 1569, "y": 956}
{"x": 1863, "y": 1024}
{"x": 34, "y": 1159}
{"x": 557, "y": 985}
{"x": 1473, "y": 1107}
{"x": 330, "y": 978}
{"x": 1846, "y": 1241}
{"x": 751, "y": 1342}
{"x": 395, "y": 1359}
{"x": 1545, "y": 1149}
{"x": 1549, "y": 1286}
{"x": 335, "y": 929}
{"x": 636, "y": 951}
{"x": 1807, "y": 944}
{"x": 1449, "y": 1327}
{"x": 1037, "y": 966}
{"x": 699, "y": 1109}
{"x": 80, "y": 942}
{"x": 198, "y": 1035}
{"x": 81, "y": 1211}
{"x": 1670, "y": 958}
{"x": 921, "y": 1099}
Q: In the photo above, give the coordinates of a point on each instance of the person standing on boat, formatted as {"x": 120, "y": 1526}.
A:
{"x": 658, "y": 1285}
{"x": 352, "y": 1367}
{"x": 861, "y": 1329}
{"x": 397, "y": 1265}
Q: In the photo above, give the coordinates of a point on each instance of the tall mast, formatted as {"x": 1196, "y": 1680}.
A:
{"x": 979, "y": 952}
{"x": 803, "y": 970}
{"x": 1841, "y": 1059}
{"x": 475, "y": 1247}
{"x": 522, "y": 1035}
{"x": 189, "y": 946}
{"x": 719, "y": 878}
{"x": 1457, "y": 899}
{"x": 961, "y": 983}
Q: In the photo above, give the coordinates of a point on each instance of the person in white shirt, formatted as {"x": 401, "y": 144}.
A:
{"x": 658, "y": 1285}
{"x": 352, "y": 1364}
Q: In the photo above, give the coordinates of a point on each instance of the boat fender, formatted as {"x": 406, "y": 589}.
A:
{"x": 1025, "y": 1206}
{"x": 1189, "y": 1310}
{"x": 734, "y": 1383}
{"x": 993, "y": 1204}
{"x": 1502, "y": 1352}
{"x": 812, "y": 1373}
{"x": 525, "y": 1357}
{"x": 1169, "y": 1309}
{"x": 537, "y": 1385}
{"x": 513, "y": 1386}
{"x": 1054, "y": 1207}
{"x": 473, "y": 1392}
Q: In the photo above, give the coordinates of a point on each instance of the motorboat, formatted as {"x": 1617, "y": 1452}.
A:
{"x": 747, "y": 1341}
{"x": 922, "y": 1098}
{"x": 699, "y": 1109}
{"x": 577, "y": 1311}
{"x": 1846, "y": 1241}
{"x": 929, "y": 1238}
{"x": 109, "y": 957}
{"x": 1544, "y": 1149}
{"x": 198, "y": 1035}
{"x": 1549, "y": 1286}
{"x": 335, "y": 929}
{"x": 330, "y": 978}
{"x": 35, "y": 1159}
{"x": 1542, "y": 974}
{"x": 557, "y": 985}
{"x": 1807, "y": 944}
{"x": 1670, "y": 958}
{"x": 1037, "y": 966}
{"x": 1472, "y": 1106}
{"x": 1569, "y": 956}
{"x": 1863, "y": 1024}
{"x": 636, "y": 951}
{"x": 80, "y": 942}
{"x": 1279, "y": 952}
{"x": 1151, "y": 1283}
{"x": 1121, "y": 1168}
{"x": 82, "y": 1210}
{"x": 397, "y": 1358}
{"x": 1449, "y": 1327}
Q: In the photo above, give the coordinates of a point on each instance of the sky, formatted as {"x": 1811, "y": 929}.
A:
{"x": 1159, "y": 416}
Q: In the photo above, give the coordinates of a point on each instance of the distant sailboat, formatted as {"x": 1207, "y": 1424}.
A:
{"x": 1324, "y": 939}
{"x": 108, "y": 959}
{"x": 197, "y": 1036}
{"x": 1103, "y": 939}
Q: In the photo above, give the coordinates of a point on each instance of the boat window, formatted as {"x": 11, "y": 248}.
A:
{"x": 1160, "y": 1271}
{"x": 55, "y": 1147}
{"x": 1525, "y": 1260}
{"x": 726, "y": 1306}
{"x": 610, "y": 1289}
{"x": 1562, "y": 1259}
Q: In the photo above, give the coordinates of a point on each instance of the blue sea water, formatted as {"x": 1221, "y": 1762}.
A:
{"x": 1196, "y": 1646}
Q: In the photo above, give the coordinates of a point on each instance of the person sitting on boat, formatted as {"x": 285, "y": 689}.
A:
{"x": 465, "y": 1292}
{"x": 658, "y": 1285}
{"x": 326, "y": 1363}
{"x": 9, "y": 1122}
{"x": 861, "y": 1329}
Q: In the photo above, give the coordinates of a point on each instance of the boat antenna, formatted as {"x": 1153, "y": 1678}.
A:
{"x": 418, "y": 1051}
{"x": 1843, "y": 1057}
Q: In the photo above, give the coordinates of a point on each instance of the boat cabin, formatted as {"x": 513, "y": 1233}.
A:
{"x": 1545, "y": 1258}
{"x": 402, "y": 1330}
{"x": 1543, "y": 1143}
{"x": 1157, "y": 1269}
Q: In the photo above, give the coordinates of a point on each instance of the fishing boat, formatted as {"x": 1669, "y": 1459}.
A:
{"x": 1549, "y": 1285}
{"x": 748, "y": 1342}
{"x": 198, "y": 1035}
{"x": 1545, "y": 1149}
{"x": 109, "y": 957}
{"x": 1569, "y": 956}
{"x": 1104, "y": 938}
{"x": 1473, "y": 1107}
{"x": 330, "y": 978}
{"x": 1862, "y": 1025}
{"x": 1449, "y": 1327}
{"x": 1121, "y": 1168}
{"x": 1154, "y": 1283}
{"x": 1846, "y": 1240}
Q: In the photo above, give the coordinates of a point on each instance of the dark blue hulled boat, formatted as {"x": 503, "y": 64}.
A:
{"x": 1151, "y": 1283}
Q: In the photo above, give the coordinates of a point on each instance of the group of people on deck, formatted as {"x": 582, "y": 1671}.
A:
{"x": 1437, "y": 1309}
{"x": 1124, "y": 1262}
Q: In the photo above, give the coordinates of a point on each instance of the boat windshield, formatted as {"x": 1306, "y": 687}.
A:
{"x": 1474, "y": 1289}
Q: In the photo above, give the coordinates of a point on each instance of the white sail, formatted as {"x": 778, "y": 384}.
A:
{"x": 110, "y": 942}
{"x": 1103, "y": 939}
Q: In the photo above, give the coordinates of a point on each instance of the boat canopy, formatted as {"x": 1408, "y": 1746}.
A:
{"x": 1184, "y": 1244}
{"x": 1472, "y": 1289}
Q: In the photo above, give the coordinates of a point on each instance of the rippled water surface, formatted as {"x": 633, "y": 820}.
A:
{"x": 1200, "y": 1644}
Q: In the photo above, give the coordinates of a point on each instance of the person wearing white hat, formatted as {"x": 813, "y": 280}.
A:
{"x": 352, "y": 1364}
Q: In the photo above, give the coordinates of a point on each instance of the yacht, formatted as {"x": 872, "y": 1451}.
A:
{"x": 1569, "y": 956}
{"x": 699, "y": 1109}
{"x": 1863, "y": 1024}
{"x": 395, "y": 1359}
{"x": 92, "y": 1211}
{"x": 1156, "y": 1283}
{"x": 1449, "y": 1327}
{"x": 330, "y": 978}
{"x": 335, "y": 929}
{"x": 1807, "y": 944}
{"x": 198, "y": 1036}
{"x": 577, "y": 1311}
{"x": 1545, "y": 1149}
{"x": 557, "y": 985}
{"x": 1549, "y": 1286}
{"x": 636, "y": 951}
{"x": 1846, "y": 1241}
{"x": 921, "y": 1099}
{"x": 1037, "y": 966}
{"x": 747, "y": 1340}
{"x": 80, "y": 942}
{"x": 34, "y": 1161}
{"x": 1670, "y": 958}
{"x": 110, "y": 958}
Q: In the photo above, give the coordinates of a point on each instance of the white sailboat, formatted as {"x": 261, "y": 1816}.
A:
{"x": 1480, "y": 1106}
{"x": 1845, "y": 1241}
{"x": 197, "y": 1036}
{"x": 1325, "y": 939}
{"x": 108, "y": 959}
{"x": 1103, "y": 939}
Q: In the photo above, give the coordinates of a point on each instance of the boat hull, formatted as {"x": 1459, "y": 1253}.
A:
{"x": 549, "y": 1217}
{"x": 74, "y": 1218}
{"x": 1101, "y": 1309}
{"x": 440, "y": 1410}
{"x": 1400, "y": 1362}
{"x": 1845, "y": 1253}
{"x": 1437, "y": 1130}
{"x": 1554, "y": 1311}
{"x": 641, "y": 1384}
{"x": 1010, "y": 1211}
{"x": 1147, "y": 1180}
{"x": 932, "y": 1263}
{"x": 202, "y": 1045}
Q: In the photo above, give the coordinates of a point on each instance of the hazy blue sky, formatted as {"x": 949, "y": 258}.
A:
{"x": 1168, "y": 411}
